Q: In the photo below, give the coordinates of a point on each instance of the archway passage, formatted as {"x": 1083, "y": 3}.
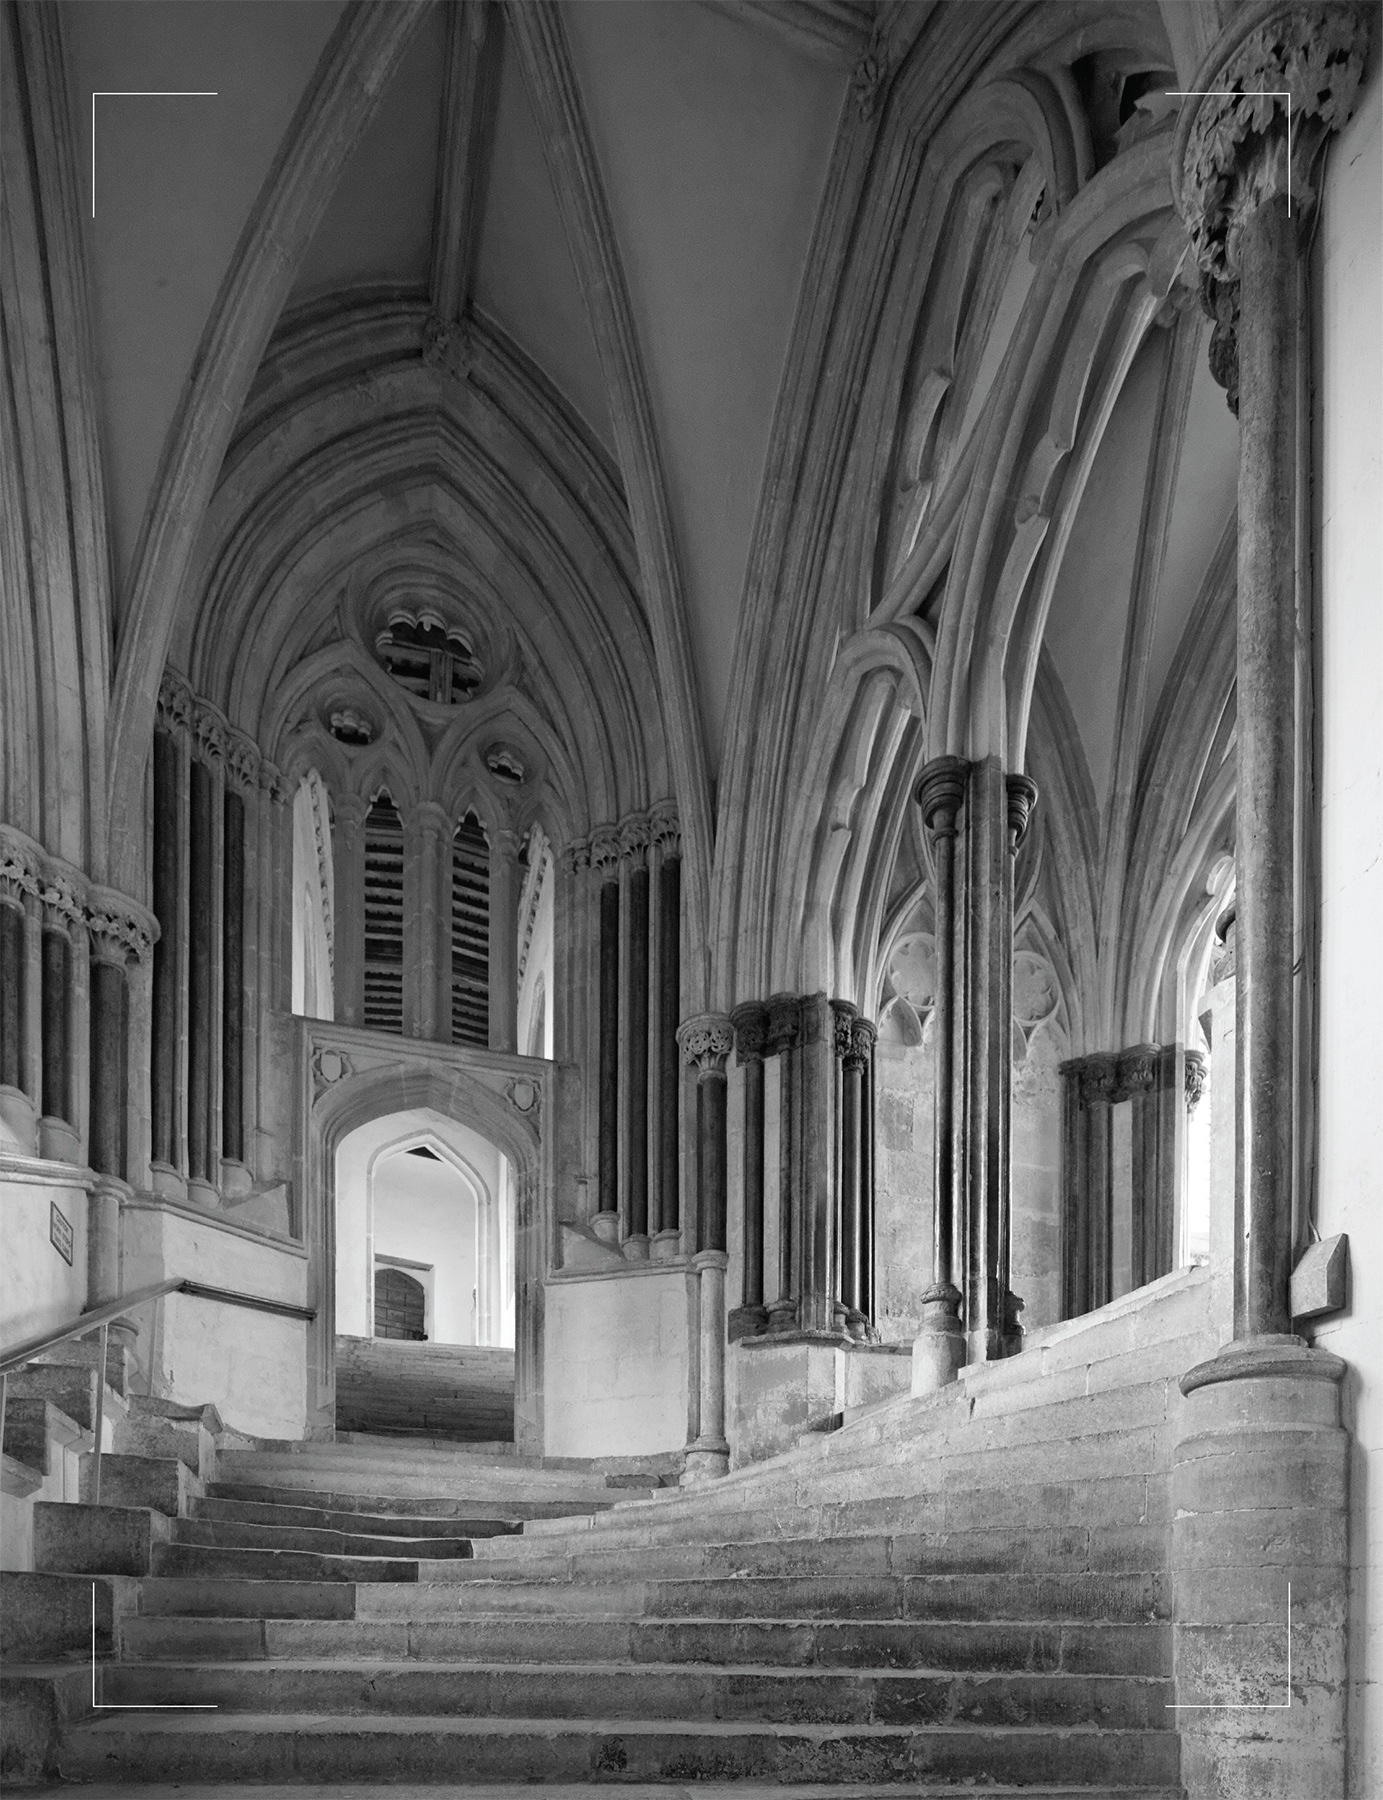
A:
{"x": 424, "y": 1281}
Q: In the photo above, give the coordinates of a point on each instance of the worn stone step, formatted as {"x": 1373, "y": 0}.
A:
{"x": 49, "y": 1618}
{"x": 221, "y": 1597}
{"x": 668, "y": 1691}
{"x": 34, "y": 1428}
{"x": 258, "y": 1512}
{"x": 448, "y": 1472}
{"x": 405, "y": 1506}
{"x": 199, "y": 1746}
{"x": 152, "y": 1434}
{"x": 70, "y": 1387}
{"x": 38, "y": 1704}
{"x": 229, "y": 1534}
{"x": 1083, "y": 1648}
{"x": 439, "y": 1593}
{"x": 77, "y": 1539}
{"x": 280, "y": 1565}
{"x": 163, "y": 1483}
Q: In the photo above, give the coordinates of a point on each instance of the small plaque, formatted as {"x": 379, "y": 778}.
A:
{"x": 60, "y": 1231}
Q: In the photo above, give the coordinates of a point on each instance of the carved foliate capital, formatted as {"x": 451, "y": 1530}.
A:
{"x": 1231, "y": 151}
{"x": 706, "y": 1042}
{"x": 1196, "y": 1074}
{"x": 174, "y": 703}
{"x": 664, "y": 829}
{"x": 1021, "y": 791}
{"x": 843, "y": 1016}
{"x": 62, "y": 897}
{"x": 869, "y": 77}
{"x": 940, "y": 793}
{"x": 575, "y": 856}
{"x": 271, "y": 782}
{"x": 633, "y": 840}
{"x": 605, "y": 850}
{"x": 751, "y": 1031}
{"x": 209, "y": 729}
{"x": 121, "y": 931}
{"x": 863, "y": 1037}
{"x": 19, "y": 868}
{"x": 1096, "y": 1076}
{"x": 1137, "y": 1070}
{"x": 242, "y": 761}
{"x": 784, "y": 1022}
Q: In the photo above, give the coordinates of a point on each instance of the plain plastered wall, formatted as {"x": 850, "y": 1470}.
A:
{"x": 1350, "y": 1171}
{"x": 39, "y": 1289}
{"x": 615, "y": 1364}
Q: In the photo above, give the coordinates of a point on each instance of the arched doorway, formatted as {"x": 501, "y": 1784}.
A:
{"x": 424, "y": 1280}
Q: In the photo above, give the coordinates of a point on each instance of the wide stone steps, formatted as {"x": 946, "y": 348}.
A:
{"x": 1072, "y": 1647}
{"x": 424, "y": 1503}
{"x": 266, "y": 1747}
{"x": 280, "y": 1565}
{"x": 316, "y": 1518}
{"x": 226, "y": 1534}
{"x": 666, "y": 1691}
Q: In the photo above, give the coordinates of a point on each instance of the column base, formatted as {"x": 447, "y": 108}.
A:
{"x": 635, "y": 1248}
{"x": 203, "y": 1193}
{"x": 58, "y": 1141}
{"x": 236, "y": 1179}
{"x": 164, "y": 1179}
{"x": 782, "y": 1316}
{"x": 18, "y": 1122}
{"x": 706, "y": 1460}
{"x": 745, "y": 1322}
{"x": 606, "y": 1226}
{"x": 938, "y": 1350}
{"x": 1259, "y": 1503}
{"x": 665, "y": 1246}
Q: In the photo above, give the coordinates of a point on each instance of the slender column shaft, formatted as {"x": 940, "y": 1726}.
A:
{"x": 109, "y": 1036}
{"x": 57, "y": 958}
{"x": 167, "y": 872}
{"x": 706, "y": 1041}
{"x": 751, "y": 1040}
{"x": 609, "y": 1046}
{"x": 200, "y": 976}
{"x": 1266, "y": 786}
{"x": 635, "y": 1059}
{"x": 850, "y": 1221}
{"x": 987, "y": 962}
{"x": 667, "y": 1208}
{"x": 1099, "y": 1168}
{"x": 348, "y": 858}
{"x": 784, "y": 1029}
{"x": 867, "y": 1184}
{"x": 818, "y": 1147}
{"x": 12, "y": 995}
{"x": 233, "y": 978}
{"x": 504, "y": 940}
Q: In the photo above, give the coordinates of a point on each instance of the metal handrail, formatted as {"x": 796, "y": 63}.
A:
{"x": 100, "y": 1318}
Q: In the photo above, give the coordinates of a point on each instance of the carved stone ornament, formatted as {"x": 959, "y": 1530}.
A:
{"x": 272, "y": 783}
{"x": 19, "y": 869}
{"x": 862, "y": 1040}
{"x": 575, "y": 856}
{"x": 664, "y": 829}
{"x": 784, "y": 1022}
{"x": 61, "y": 896}
{"x": 448, "y": 347}
{"x": 523, "y": 1095}
{"x": 1196, "y": 1074}
{"x": 941, "y": 793}
{"x": 1231, "y": 146}
{"x": 210, "y": 731}
{"x": 329, "y": 1066}
{"x": 174, "y": 703}
{"x": 242, "y": 761}
{"x": 605, "y": 849}
{"x": 706, "y": 1042}
{"x": 1136, "y": 1072}
{"x": 751, "y": 1031}
{"x": 842, "y": 1028}
{"x": 870, "y": 75}
{"x": 121, "y": 932}
{"x": 633, "y": 839}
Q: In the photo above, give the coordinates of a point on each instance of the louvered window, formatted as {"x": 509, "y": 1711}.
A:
{"x": 384, "y": 917}
{"x": 470, "y": 934}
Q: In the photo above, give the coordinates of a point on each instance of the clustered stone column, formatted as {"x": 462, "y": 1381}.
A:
{"x": 504, "y": 938}
{"x": 1160, "y": 1084}
{"x": 222, "y": 859}
{"x": 633, "y": 940}
{"x": 824, "y": 1226}
{"x": 1261, "y": 1428}
{"x": 976, "y": 817}
{"x": 706, "y": 1042}
{"x": 71, "y": 956}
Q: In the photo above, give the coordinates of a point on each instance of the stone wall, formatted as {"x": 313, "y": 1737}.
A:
{"x": 616, "y": 1354}
{"x": 903, "y": 1125}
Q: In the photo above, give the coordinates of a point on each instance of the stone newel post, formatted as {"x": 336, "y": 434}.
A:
{"x": 706, "y": 1042}
{"x": 1259, "y": 1496}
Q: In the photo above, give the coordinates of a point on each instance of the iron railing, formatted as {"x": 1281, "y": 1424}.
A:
{"x": 100, "y": 1318}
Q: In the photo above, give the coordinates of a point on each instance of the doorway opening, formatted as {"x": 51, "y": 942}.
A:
{"x": 424, "y": 1281}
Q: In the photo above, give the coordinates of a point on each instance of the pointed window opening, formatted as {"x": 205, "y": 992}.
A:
{"x": 470, "y": 934}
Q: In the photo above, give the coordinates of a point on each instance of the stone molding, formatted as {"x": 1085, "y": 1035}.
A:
{"x": 1021, "y": 791}
{"x": 121, "y": 929}
{"x": 869, "y": 77}
{"x": 750, "y": 1022}
{"x": 1113, "y": 1076}
{"x": 940, "y": 793}
{"x": 706, "y": 1042}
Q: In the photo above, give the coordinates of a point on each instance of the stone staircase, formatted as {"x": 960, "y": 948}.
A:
{"x": 959, "y": 1592}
